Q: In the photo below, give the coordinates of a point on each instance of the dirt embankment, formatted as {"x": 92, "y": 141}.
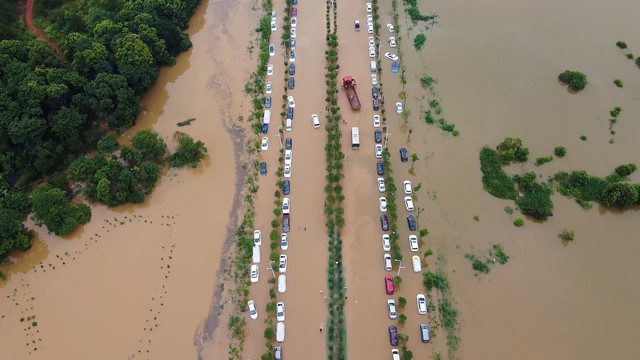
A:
{"x": 28, "y": 19}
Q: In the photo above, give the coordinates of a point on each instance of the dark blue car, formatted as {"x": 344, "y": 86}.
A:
{"x": 287, "y": 187}
{"x": 394, "y": 67}
{"x": 265, "y": 128}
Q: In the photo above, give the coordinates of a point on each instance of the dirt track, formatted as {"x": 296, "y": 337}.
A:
{"x": 28, "y": 19}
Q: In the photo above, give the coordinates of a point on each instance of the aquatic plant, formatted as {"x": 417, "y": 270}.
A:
{"x": 567, "y": 235}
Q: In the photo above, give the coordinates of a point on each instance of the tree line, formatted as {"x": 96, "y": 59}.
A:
{"x": 53, "y": 111}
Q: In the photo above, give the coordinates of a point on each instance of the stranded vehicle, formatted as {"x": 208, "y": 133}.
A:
{"x": 349, "y": 85}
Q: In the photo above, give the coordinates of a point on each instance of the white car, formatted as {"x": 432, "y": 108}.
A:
{"x": 280, "y": 311}
{"x": 369, "y": 7}
{"x": 381, "y": 186}
{"x": 370, "y": 19}
{"x": 383, "y": 204}
{"x": 292, "y": 102}
{"x": 398, "y": 108}
{"x": 388, "y": 264}
{"x": 378, "y": 151}
{"x": 257, "y": 237}
{"x": 283, "y": 264}
{"x": 272, "y": 50}
{"x": 413, "y": 243}
{"x": 269, "y": 69}
{"x": 408, "y": 189}
{"x": 273, "y": 26}
{"x": 392, "y": 41}
{"x": 370, "y": 28}
{"x": 286, "y": 206}
{"x": 408, "y": 203}
{"x": 376, "y": 121}
{"x": 253, "y": 312}
{"x": 372, "y": 52}
{"x": 315, "y": 121}
{"x": 391, "y": 28}
{"x": 268, "y": 88}
{"x": 265, "y": 143}
{"x": 294, "y": 21}
{"x": 287, "y": 156}
{"x": 422, "y": 304}
{"x": 287, "y": 170}
{"x": 386, "y": 243}
{"x": 372, "y": 41}
{"x": 292, "y": 56}
{"x": 255, "y": 274}
{"x": 391, "y": 56}
{"x": 395, "y": 354}
{"x": 374, "y": 79}
{"x": 273, "y": 15}
{"x": 391, "y": 306}
{"x": 417, "y": 264}
{"x": 282, "y": 283}
{"x": 284, "y": 243}
{"x": 293, "y": 33}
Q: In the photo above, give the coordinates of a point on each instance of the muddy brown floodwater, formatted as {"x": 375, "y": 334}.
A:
{"x": 497, "y": 63}
{"x": 144, "y": 277}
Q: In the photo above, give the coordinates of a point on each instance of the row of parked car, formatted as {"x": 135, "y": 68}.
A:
{"x": 382, "y": 200}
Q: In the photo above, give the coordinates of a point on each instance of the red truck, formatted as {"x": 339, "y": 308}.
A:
{"x": 349, "y": 85}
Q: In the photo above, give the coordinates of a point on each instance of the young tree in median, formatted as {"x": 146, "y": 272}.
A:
{"x": 414, "y": 158}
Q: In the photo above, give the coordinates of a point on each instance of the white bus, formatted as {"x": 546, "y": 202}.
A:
{"x": 355, "y": 137}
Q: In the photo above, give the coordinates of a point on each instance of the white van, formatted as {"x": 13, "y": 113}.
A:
{"x": 374, "y": 66}
{"x": 256, "y": 254}
{"x": 282, "y": 283}
{"x": 288, "y": 125}
{"x": 280, "y": 332}
{"x": 267, "y": 117}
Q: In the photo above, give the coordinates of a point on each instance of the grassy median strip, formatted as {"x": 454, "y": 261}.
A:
{"x": 334, "y": 212}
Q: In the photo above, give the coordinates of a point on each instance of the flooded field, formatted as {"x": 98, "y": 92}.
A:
{"x": 145, "y": 277}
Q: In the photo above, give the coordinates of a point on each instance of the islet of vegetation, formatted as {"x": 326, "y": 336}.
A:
{"x": 575, "y": 79}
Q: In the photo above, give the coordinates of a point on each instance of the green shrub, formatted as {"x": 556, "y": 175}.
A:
{"x": 626, "y": 170}
{"x": 543, "y": 160}
{"x": 268, "y": 333}
{"x": 511, "y": 149}
{"x": 427, "y": 81}
{"x": 621, "y": 44}
{"x": 567, "y": 235}
{"x": 477, "y": 264}
{"x": 519, "y": 222}
{"x": 583, "y": 137}
{"x": 402, "y": 302}
{"x": 618, "y": 82}
{"x": 621, "y": 195}
{"x": 494, "y": 180}
{"x": 560, "y": 151}
{"x": 536, "y": 201}
{"x": 575, "y": 79}
{"x": 189, "y": 152}
{"x": 630, "y": 56}
{"x": 499, "y": 254}
{"x": 418, "y": 41}
{"x": 616, "y": 111}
